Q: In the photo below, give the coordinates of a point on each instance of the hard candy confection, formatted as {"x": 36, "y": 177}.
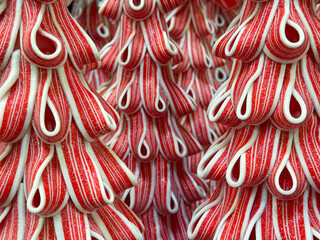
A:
{"x": 58, "y": 180}
{"x": 266, "y": 164}
{"x": 150, "y": 137}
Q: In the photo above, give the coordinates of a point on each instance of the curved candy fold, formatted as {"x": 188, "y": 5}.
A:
{"x": 13, "y": 225}
{"x": 17, "y": 92}
{"x": 287, "y": 180}
{"x": 165, "y": 201}
{"x": 81, "y": 174}
{"x": 140, "y": 197}
{"x": 153, "y": 99}
{"x": 51, "y": 116}
{"x": 113, "y": 171}
{"x": 81, "y": 48}
{"x": 40, "y": 41}
{"x": 13, "y": 158}
{"x": 93, "y": 116}
{"x": 128, "y": 97}
{"x": 10, "y": 17}
{"x": 161, "y": 48}
{"x": 142, "y": 138}
{"x": 139, "y": 10}
{"x": 44, "y": 184}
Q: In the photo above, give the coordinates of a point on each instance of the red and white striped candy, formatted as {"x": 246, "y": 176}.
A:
{"x": 10, "y": 16}
{"x": 12, "y": 221}
{"x": 207, "y": 217}
{"x": 140, "y": 197}
{"x": 65, "y": 221}
{"x": 161, "y": 48}
{"x": 139, "y": 10}
{"x": 306, "y": 140}
{"x": 235, "y": 43}
{"x": 40, "y": 41}
{"x": 12, "y": 164}
{"x": 44, "y": 184}
{"x": 109, "y": 53}
{"x": 113, "y": 171}
{"x": 133, "y": 47}
{"x": 153, "y": 98}
{"x": 81, "y": 48}
{"x": 174, "y": 143}
{"x": 81, "y": 174}
{"x": 128, "y": 97}
{"x": 52, "y": 115}
{"x": 164, "y": 200}
{"x": 93, "y": 116}
{"x": 118, "y": 140}
{"x": 190, "y": 186}
{"x": 115, "y": 225}
{"x": 287, "y": 179}
{"x": 142, "y": 138}
{"x": 17, "y": 93}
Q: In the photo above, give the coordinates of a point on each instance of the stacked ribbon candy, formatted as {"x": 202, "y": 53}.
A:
{"x": 150, "y": 138}
{"x": 267, "y": 164}
{"x": 58, "y": 181}
{"x": 199, "y": 74}
{"x": 190, "y": 27}
{"x": 100, "y": 30}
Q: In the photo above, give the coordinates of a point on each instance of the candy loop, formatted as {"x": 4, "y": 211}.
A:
{"x": 295, "y": 106}
{"x": 286, "y": 35}
{"x": 38, "y": 31}
{"x": 244, "y": 112}
{"x": 133, "y": 47}
{"x": 235, "y": 176}
{"x": 164, "y": 199}
{"x": 213, "y": 164}
{"x": 220, "y": 74}
{"x": 142, "y": 136}
{"x": 52, "y": 116}
{"x": 286, "y": 180}
{"x": 139, "y": 9}
{"x": 128, "y": 94}
{"x": 161, "y": 48}
{"x": 45, "y": 188}
{"x": 103, "y": 31}
{"x": 111, "y": 9}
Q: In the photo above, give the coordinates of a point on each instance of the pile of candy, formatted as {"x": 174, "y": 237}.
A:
{"x": 159, "y": 119}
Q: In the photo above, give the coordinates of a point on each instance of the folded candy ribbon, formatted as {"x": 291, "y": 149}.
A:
{"x": 261, "y": 215}
{"x": 68, "y": 172}
{"x": 115, "y": 221}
